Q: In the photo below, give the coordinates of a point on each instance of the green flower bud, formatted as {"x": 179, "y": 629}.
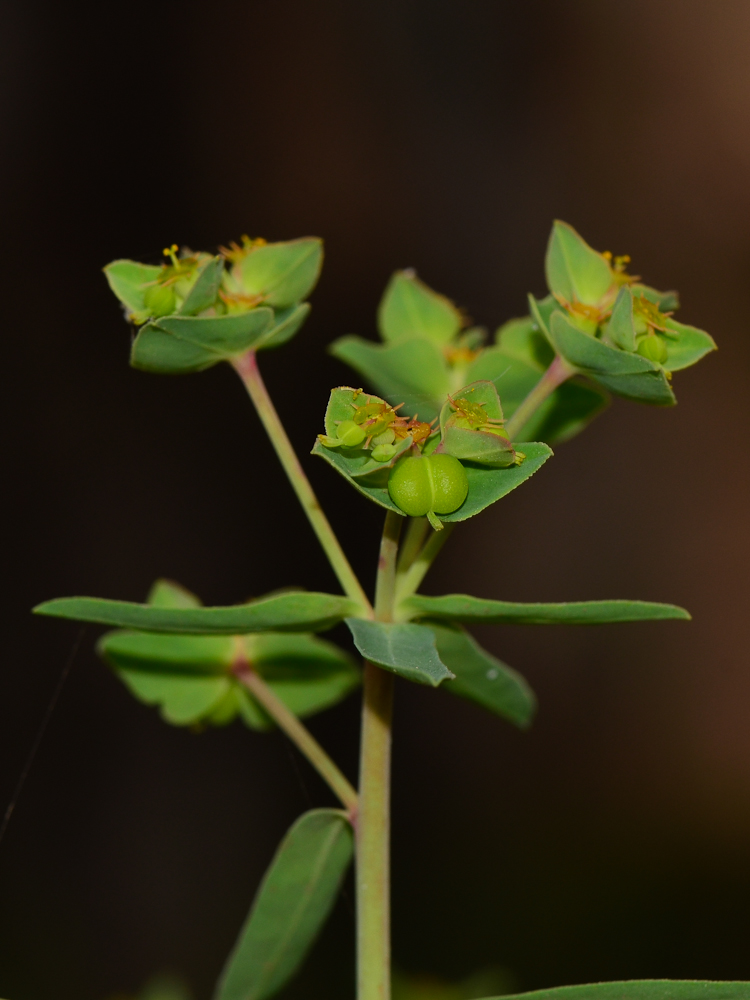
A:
{"x": 350, "y": 434}
{"x": 383, "y": 452}
{"x": 652, "y": 346}
{"x": 424, "y": 485}
{"x": 160, "y": 300}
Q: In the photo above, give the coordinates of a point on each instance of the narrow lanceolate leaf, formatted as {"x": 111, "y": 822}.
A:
{"x": 405, "y": 649}
{"x": 287, "y": 612}
{"x": 641, "y": 989}
{"x": 467, "y": 609}
{"x": 482, "y": 678}
{"x": 292, "y": 904}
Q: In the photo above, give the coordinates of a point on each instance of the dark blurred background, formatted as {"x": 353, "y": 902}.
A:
{"x": 612, "y": 840}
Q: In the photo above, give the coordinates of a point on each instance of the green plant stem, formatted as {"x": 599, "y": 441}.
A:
{"x": 408, "y": 581}
{"x": 302, "y": 738}
{"x": 557, "y": 373}
{"x": 416, "y": 533}
{"x": 373, "y": 821}
{"x": 246, "y": 367}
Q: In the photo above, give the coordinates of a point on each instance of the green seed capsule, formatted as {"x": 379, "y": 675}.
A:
{"x": 653, "y": 347}
{"x": 383, "y": 452}
{"x": 422, "y": 485}
{"x": 159, "y": 300}
{"x": 351, "y": 434}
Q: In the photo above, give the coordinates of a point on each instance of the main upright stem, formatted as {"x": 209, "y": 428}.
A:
{"x": 246, "y": 367}
{"x": 373, "y": 822}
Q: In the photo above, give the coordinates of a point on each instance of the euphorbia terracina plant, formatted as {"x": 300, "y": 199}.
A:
{"x": 457, "y": 423}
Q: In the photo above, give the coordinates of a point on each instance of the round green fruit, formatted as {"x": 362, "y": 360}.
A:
{"x": 159, "y": 300}
{"x": 424, "y": 484}
{"x": 350, "y": 434}
{"x": 653, "y": 348}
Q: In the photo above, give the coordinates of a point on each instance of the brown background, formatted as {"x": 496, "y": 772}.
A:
{"x": 612, "y": 840}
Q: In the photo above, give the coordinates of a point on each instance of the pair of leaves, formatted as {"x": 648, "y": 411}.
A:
{"x": 434, "y": 653}
{"x": 291, "y": 906}
{"x": 641, "y": 989}
{"x": 421, "y": 362}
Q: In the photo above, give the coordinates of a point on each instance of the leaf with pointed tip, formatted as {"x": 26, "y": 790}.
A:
{"x": 405, "y": 649}
{"x": 574, "y": 270}
{"x": 621, "y": 372}
{"x": 487, "y": 485}
{"x": 686, "y": 345}
{"x": 291, "y": 906}
{"x": 641, "y": 989}
{"x": 412, "y": 371}
{"x": 467, "y": 609}
{"x": 282, "y": 274}
{"x": 127, "y": 279}
{"x": 410, "y": 307}
{"x": 182, "y": 344}
{"x": 285, "y": 325}
{"x": 204, "y": 292}
{"x": 620, "y": 328}
{"x": 481, "y": 677}
{"x": 292, "y": 611}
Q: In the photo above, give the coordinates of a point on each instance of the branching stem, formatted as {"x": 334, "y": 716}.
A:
{"x": 373, "y": 824}
{"x": 557, "y": 373}
{"x": 246, "y": 367}
{"x": 302, "y": 738}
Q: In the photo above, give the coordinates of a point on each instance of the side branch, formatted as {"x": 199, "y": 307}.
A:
{"x": 302, "y": 738}
{"x": 246, "y": 367}
{"x": 557, "y": 373}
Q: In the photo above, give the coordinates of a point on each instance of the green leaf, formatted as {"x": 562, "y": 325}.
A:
{"x": 621, "y": 372}
{"x": 290, "y": 908}
{"x": 191, "y": 677}
{"x": 182, "y": 344}
{"x": 410, "y": 307}
{"x": 575, "y": 271}
{"x": 482, "y": 678}
{"x": 620, "y": 329}
{"x": 488, "y": 485}
{"x": 286, "y": 324}
{"x": 282, "y": 274}
{"x": 468, "y": 609}
{"x": 688, "y": 346}
{"x": 126, "y": 278}
{"x": 412, "y": 371}
{"x": 296, "y": 611}
{"x": 641, "y": 989}
{"x": 405, "y": 649}
{"x": 204, "y": 292}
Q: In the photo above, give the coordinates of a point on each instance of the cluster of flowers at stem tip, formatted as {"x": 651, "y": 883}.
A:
{"x": 422, "y": 461}
{"x": 167, "y": 291}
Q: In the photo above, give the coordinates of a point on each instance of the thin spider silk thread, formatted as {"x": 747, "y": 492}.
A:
{"x": 40, "y": 734}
